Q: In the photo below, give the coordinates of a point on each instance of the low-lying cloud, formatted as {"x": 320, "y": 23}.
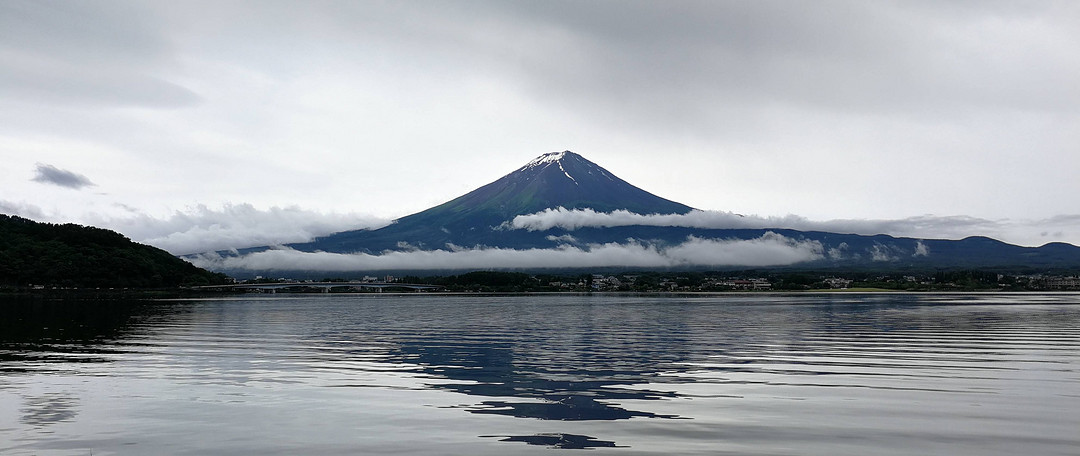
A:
{"x": 1035, "y": 232}
{"x": 770, "y": 249}
{"x": 49, "y": 174}
{"x": 235, "y": 226}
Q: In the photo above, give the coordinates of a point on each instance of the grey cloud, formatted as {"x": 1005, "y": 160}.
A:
{"x": 690, "y": 64}
{"x": 708, "y": 69}
{"x": 883, "y": 253}
{"x": 1062, "y": 220}
{"x": 99, "y": 32}
{"x": 48, "y": 174}
{"x": 25, "y": 210}
{"x": 100, "y": 54}
{"x": 769, "y": 250}
{"x": 677, "y": 62}
{"x": 701, "y": 61}
{"x": 58, "y": 83}
{"x": 839, "y": 252}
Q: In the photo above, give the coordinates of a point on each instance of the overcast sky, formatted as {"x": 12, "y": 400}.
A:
{"x": 210, "y": 124}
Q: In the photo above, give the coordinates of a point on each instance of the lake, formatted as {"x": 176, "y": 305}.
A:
{"x": 746, "y": 374}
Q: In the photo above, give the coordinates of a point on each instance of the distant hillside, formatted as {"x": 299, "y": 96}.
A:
{"x": 85, "y": 257}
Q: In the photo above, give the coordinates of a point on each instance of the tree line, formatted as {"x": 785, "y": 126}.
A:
{"x": 75, "y": 256}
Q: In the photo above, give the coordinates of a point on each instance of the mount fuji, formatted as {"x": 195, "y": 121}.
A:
{"x": 556, "y": 179}
{"x": 574, "y": 213}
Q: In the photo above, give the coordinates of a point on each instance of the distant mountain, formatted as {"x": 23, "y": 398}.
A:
{"x": 557, "y": 179}
{"x": 566, "y": 180}
{"x": 85, "y": 257}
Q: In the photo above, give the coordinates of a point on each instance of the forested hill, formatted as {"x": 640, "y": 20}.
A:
{"x": 71, "y": 255}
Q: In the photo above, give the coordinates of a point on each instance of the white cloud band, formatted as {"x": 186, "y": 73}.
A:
{"x": 770, "y": 249}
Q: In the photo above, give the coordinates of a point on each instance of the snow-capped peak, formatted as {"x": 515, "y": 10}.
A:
{"x": 550, "y": 157}
{"x": 547, "y": 159}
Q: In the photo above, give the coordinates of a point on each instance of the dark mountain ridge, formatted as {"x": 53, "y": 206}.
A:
{"x": 71, "y": 255}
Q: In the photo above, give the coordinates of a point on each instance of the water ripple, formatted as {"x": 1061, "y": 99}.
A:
{"x": 925, "y": 370}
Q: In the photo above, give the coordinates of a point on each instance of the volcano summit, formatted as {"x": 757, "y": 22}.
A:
{"x": 563, "y": 211}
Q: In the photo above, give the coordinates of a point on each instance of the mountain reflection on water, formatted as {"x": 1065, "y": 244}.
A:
{"x": 580, "y": 387}
{"x": 597, "y": 371}
{"x": 561, "y": 441}
{"x": 36, "y": 333}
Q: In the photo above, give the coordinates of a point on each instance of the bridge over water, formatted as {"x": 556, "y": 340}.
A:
{"x": 325, "y": 286}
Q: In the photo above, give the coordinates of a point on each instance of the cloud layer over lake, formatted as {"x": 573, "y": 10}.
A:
{"x": 769, "y": 250}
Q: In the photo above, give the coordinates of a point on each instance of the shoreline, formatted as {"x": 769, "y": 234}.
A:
{"x": 183, "y": 294}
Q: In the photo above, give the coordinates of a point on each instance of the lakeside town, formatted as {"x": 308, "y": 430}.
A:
{"x": 499, "y": 281}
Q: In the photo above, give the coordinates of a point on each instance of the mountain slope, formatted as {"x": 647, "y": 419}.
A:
{"x": 551, "y": 180}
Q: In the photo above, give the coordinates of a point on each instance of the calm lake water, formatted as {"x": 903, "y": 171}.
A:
{"x": 627, "y": 375}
